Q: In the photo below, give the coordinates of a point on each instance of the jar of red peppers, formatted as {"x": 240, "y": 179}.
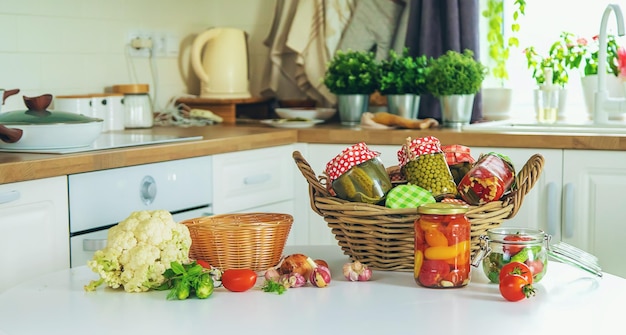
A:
{"x": 490, "y": 178}
{"x": 442, "y": 246}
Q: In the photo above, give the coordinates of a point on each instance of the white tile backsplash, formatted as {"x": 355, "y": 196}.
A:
{"x": 78, "y": 46}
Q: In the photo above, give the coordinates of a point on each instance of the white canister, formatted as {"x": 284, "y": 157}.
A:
{"x": 109, "y": 107}
{"x": 79, "y": 104}
{"x": 115, "y": 111}
{"x": 137, "y": 105}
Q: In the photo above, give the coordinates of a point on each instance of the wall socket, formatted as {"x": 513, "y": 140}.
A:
{"x": 161, "y": 44}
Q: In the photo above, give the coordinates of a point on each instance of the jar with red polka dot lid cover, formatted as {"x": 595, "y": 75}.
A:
{"x": 423, "y": 163}
{"x": 358, "y": 174}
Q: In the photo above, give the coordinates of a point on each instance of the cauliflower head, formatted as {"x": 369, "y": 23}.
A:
{"x": 139, "y": 249}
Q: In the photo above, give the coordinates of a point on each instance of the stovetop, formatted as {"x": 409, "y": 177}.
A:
{"x": 112, "y": 141}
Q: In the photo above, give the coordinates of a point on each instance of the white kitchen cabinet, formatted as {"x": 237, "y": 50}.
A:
{"x": 259, "y": 180}
{"x": 33, "y": 229}
{"x": 593, "y": 198}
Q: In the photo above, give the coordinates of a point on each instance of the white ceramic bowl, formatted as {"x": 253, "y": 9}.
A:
{"x": 306, "y": 113}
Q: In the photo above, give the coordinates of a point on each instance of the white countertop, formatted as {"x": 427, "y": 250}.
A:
{"x": 567, "y": 300}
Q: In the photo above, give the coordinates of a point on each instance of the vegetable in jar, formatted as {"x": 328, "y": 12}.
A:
{"x": 521, "y": 245}
{"x": 442, "y": 246}
{"x": 488, "y": 180}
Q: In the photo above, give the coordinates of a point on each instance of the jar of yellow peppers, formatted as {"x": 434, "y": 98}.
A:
{"x": 442, "y": 246}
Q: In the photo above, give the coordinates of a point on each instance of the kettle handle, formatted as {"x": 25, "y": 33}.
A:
{"x": 196, "y": 52}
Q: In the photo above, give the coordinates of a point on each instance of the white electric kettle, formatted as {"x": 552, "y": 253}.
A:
{"x": 219, "y": 57}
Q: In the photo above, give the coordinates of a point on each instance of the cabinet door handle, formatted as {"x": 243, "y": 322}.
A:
{"x": 257, "y": 179}
{"x": 10, "y": 196}
{"x": 568, "y": 210}
{"x": 551, "y": 208}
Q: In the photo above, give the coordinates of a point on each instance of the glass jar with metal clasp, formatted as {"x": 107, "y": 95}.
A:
{"x": 533, "y": 247}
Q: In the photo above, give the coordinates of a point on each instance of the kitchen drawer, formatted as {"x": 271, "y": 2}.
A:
{"x": 252, "y": 178}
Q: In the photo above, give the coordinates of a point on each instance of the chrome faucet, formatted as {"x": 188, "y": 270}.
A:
{"x": 602, "y": 102}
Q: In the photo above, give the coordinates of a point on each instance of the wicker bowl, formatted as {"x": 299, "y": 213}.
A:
{"x": 383, "y": 238}
{"x": 239, "y": 241}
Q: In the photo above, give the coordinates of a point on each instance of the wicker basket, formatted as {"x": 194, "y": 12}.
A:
{"x": 239, "y": 241}
{"x": 382, "y": 237}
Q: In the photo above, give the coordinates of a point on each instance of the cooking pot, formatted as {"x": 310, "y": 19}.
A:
{"x": 219, "y": 57}
{"x": 38, "y": 128}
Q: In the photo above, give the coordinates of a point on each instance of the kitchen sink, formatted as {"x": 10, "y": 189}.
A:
{"x": 616, "y": 127}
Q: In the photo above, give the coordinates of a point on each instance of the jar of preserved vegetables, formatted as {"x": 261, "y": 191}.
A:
{"x": 442, "y": 246}
{"x": 488, "y": 180}
{"x": 423, "y": 163}
{"x": 459, "y": 160}
{"x": 358, "y": 174}
{"x": 522, "y": 245}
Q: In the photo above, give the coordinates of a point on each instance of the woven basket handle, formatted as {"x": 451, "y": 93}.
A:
{"x": 315, "y": 187}
{"x": 525, "y": 180}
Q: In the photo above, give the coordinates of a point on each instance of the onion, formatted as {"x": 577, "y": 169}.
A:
{"x": 295, "y": 263}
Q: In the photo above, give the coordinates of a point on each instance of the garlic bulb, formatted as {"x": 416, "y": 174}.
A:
{"x": 357, "y": 271}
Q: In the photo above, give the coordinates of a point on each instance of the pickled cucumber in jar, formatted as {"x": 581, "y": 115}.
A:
{"x": 367, "y": 182}
{"x": 357, "y": 174}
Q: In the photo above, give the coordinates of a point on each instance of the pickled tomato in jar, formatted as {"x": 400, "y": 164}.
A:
{"x": 442, "y": 246}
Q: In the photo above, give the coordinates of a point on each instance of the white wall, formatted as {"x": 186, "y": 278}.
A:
{"x": 78, "y": 46}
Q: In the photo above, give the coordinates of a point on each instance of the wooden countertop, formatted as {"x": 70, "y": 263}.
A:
{"x": 228, "y": 138}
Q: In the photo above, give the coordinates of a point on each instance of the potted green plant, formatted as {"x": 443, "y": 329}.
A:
{"x": 455, "y": 78}
{"x": 402, "y": 79}
{"x": 352, "y": 76}
{"x": 497, "y": 98}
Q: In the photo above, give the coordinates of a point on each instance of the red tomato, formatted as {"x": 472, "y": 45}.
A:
{"x": 515, "y": 288}
{"x": 512, "y": 249}
{"x": 432, "y": 272}
{"x": 203, "y": 264}
{"x": 535, "y": 266}
{"x": 517, "y": 268}
{"x": 457, "y": 231}
{"x": 238, "y": 280}
{"x": 458, "y": 276}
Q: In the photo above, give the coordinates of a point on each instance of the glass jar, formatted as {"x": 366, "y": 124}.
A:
{"x": 367, "y": 182}
{"x": 137, "y": 105}
{"x": 431, "y": 172}
{"x": 442, "y": 246}
{"x": 523, "y": 245}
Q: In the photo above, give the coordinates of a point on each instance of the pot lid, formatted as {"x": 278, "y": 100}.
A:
{"x": 37, "y": 113}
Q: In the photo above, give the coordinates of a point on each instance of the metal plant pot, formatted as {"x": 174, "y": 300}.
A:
{"x": 405, "y": 105}
{"x": 351, "y": 107}
{"x": 456, "y": 110}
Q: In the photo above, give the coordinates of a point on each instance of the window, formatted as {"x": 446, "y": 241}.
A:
{"x": 540, "y": 27}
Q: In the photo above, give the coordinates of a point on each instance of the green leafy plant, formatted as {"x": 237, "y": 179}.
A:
{"x": 403, "y": 74}
{"x": 570, "y": 52}
{"x": 592, "y": 51}
{"x": 352, "y": 72}
{"x": 499, "y": 49}
{"x": 455, "y": 73}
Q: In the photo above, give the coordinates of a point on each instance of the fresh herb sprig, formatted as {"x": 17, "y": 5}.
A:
{"x": 272, "y": 286}
{"x": 183, "y": 280}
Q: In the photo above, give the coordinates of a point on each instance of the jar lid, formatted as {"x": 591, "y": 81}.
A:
{"x": 349, "y": 157}
{"x": 417, "y": 147}
{"x": 442, "y": 208}
{"x": 131, "y": 88}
